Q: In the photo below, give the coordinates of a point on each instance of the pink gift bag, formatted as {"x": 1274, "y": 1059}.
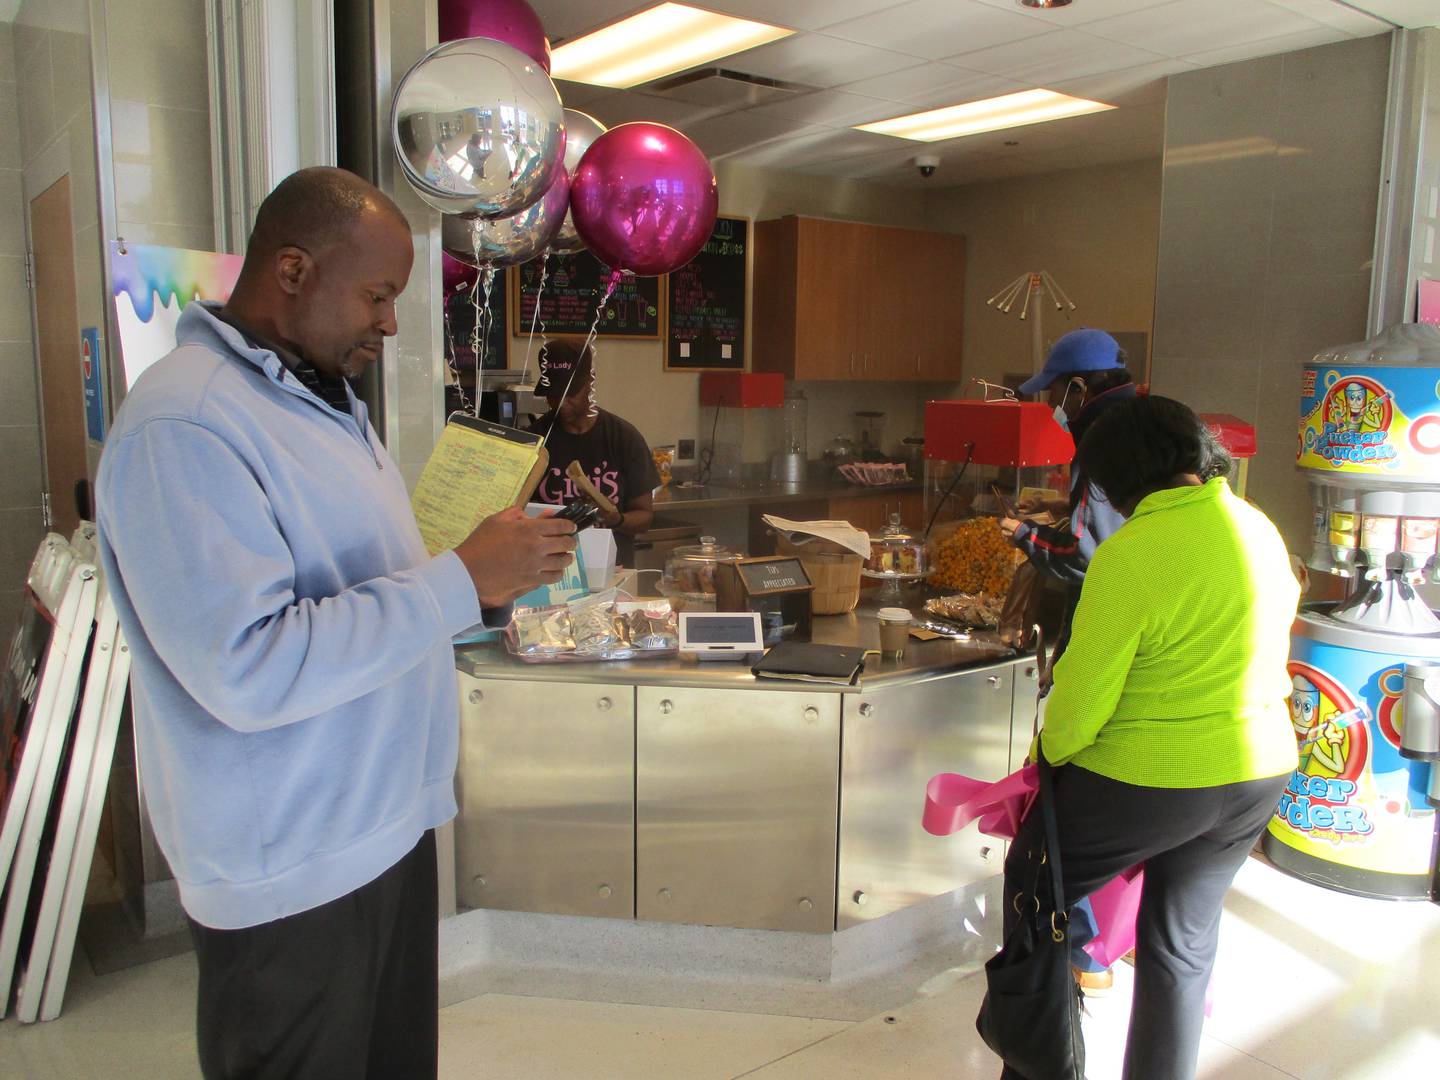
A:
{"x": 953, "y": 801}
{"x": 1115, "y": 906}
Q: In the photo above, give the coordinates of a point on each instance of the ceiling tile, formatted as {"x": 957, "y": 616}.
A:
{"x": 1135, "y": 123}
{"x": 1061, "y": 54}
{"x": 627, "y": 106}
{"x": 810, "y": 146}
{"x": 1186, "y": 26}
{"x": 934, "y": 85}
{"x": 725, "y": 136}
{"x": 936, "y": 28}
{"x": 1080, "y": 13}
{"x": 1128, "y": 86}
{"x": 1341, "y": 16}
{"x": 1411, "y": 13}
{"x": 1268, "y": 47}
{"x": 565, "y": 19}
{"x": 580, "y": 95}
{"x": 801, "y": 14}
{"x": 837, "y": 108}
{"x": 817, "y": 61}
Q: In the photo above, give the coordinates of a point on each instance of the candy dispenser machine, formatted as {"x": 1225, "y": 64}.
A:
{"x": 1359, "y": 812}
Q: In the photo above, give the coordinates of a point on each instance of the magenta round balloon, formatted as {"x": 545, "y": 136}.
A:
{"x": 511, "y": 21}
{"x": 644, "y": 199}
{"x": 456, "y": 274}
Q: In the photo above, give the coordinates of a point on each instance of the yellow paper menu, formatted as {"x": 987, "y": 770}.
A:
{"x": 477, "y": 469}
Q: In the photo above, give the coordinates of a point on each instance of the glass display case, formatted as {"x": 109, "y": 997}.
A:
{"x": 689, "y": 578}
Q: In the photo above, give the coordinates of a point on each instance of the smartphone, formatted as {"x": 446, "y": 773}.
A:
{"x": 582, "y": 512}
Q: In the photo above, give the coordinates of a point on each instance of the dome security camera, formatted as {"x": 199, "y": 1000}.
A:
{"x": 927, "y": 164}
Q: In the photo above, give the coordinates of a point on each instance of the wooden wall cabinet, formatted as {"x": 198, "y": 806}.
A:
{"x": 838, "y": 300}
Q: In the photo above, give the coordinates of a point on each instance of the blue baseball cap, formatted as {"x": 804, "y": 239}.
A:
{"x": 1079, "y": 350}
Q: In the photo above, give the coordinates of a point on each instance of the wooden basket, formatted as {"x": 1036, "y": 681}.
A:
{"x": 833, "y": 570}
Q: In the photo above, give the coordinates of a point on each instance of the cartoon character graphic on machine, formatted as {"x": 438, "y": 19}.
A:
{"x": 1358, "y": 405}
{"x": 1332, "y": 732}
{"x": 1353, "y": 423}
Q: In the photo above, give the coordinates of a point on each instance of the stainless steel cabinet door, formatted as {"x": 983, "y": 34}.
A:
{"x": 735, "y": 807}
{"x": 1022, "y": 722}
{"x": 546, "y": 787}
{"x": 896, "y": 739}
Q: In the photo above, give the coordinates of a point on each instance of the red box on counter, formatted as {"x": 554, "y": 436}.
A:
{"x": 742, "y": 389}
{"x": 1010, "y": 433}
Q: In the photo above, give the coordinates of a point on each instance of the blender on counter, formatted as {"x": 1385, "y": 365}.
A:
{"x": 789, "y": 463}
{"x": 1359, "y": 814}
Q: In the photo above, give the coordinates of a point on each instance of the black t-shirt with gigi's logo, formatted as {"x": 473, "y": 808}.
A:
{"x": 614, "y": 456}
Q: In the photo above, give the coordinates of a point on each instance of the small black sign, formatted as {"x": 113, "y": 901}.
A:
{"x": 773, "y": 576}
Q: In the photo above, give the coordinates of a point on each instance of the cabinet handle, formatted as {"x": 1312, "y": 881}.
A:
{"x": 852, "y": 363}
{"x": 1030, "y": 672}
{"x": 995, "y": 681}
{"x": 667, "y": 706}
{"x": 860, "y": 897}
{"x": 664, "y": 895}
{"x": 811, "y": 713}
{"x": 917, "y": 363}
{"x": 805, "y": 903}
{"x": 604, "y": 704}
{"x": 866, "y": 709}
{"x": 475, "y": 697}
{"x": 605, "y": 891}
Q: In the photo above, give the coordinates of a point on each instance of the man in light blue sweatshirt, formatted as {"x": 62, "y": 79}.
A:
{"x": 294, "y": 688}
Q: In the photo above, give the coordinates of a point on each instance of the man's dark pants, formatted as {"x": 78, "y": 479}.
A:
{"x": 347, "y": 990}
{"x": 1193, "y": 842}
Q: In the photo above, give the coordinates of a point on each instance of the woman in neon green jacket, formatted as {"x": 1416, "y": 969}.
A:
{"x": 1167, "y": 722}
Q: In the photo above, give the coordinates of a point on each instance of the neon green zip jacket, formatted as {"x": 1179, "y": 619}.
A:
{"x": 1175, "y": 673}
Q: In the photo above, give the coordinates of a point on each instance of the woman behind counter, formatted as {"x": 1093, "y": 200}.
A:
{"x": 1167, "y": 720}
{"x": 610, "y": 450}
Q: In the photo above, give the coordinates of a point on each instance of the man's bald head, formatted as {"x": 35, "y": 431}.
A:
{"x": 315, "y": 209}
{"x": 327, "y": 259}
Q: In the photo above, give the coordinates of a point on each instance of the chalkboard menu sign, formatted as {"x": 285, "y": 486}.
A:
{"x": 707, "y": 303}
{"x": 460, "y": 323}
{"x": 573, "y": 287}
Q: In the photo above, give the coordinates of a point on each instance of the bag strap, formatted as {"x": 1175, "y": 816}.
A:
{"x": 1052, "y": 847}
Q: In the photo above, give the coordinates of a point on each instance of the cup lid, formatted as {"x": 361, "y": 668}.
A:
{"x": 894, "y": 614}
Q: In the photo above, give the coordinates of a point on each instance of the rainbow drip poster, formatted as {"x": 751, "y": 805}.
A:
{"x": 152, "y": 286}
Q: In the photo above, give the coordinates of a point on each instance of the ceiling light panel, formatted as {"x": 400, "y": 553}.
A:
{"x": 657, "y": 42}
{"x": 992, "y": 114}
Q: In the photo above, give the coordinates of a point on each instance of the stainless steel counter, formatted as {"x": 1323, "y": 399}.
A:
{"x": 717, "y": 496}
{"x": 671, "y": 791}
{"x": 922, "y": 660}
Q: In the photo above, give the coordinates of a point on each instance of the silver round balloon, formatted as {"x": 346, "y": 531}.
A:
{"x": 581, "y": 129}
{"x": 511, "y": 240}
{"x": 478, "y": 128}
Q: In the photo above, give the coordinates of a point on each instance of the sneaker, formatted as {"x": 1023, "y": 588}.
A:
{"x": 1094, "y": 982}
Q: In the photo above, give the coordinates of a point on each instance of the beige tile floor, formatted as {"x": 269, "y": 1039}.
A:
{"x": 1310, "y": 985}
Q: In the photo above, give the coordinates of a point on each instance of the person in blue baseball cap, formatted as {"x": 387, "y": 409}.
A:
{"x": 1086, "y": 376}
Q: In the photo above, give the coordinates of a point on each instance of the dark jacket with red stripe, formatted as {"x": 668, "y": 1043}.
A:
{"x": 1065, "y": 552}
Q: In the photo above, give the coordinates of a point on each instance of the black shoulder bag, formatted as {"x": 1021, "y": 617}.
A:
{"x": 1031, "y": 1013}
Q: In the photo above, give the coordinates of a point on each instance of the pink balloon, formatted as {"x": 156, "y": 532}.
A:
{"x": 512, "y": 21}
{"x": 456, "y": 275}
{"x": 644, "y": 199}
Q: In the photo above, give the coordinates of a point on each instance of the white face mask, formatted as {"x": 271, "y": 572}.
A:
{"x": 1061, "y": 416}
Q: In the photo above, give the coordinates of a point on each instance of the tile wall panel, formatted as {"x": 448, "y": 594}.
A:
{"x": 1267, "y": 222}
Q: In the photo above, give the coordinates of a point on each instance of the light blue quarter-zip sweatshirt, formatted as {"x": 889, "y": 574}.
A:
{"x": 293, "y": 680}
